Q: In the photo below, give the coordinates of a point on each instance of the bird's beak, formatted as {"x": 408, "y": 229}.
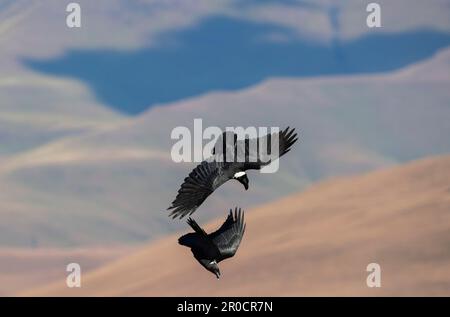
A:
{"x": 244, "y": 181}
{"x": 218, "y": 275}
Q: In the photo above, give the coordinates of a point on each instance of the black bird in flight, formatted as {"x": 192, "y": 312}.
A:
{"x": 210, "y": 249}
{"x": 211, "y": 174}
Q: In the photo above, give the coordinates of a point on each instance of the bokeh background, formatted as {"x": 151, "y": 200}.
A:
{"x": 85, "y": 167}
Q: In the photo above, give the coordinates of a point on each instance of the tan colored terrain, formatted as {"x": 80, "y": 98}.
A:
{"x": 22, "y": 269}
{"x": 315, "y": 243}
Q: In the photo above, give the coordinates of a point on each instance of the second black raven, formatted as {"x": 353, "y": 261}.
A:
{"x": 210, "y": 249}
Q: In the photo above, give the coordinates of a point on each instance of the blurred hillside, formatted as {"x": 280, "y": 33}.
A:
{"x": 24, "y": 269}
{"x": 77, "y": 169}
{"x": 315, "y": 243}
{"x": 115, "y": 185}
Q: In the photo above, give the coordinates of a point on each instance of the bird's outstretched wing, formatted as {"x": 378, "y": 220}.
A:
{"x": 225, "y": 146}
{"x": 260, "y": 153}
{"x": 195, "y": 189}
{"x": 228, "y": 237}
{"x": 255, "y": 152}
{"x": 194, "y": 225}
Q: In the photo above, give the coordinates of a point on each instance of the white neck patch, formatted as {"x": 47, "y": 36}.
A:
{"x": 239, "y": 174}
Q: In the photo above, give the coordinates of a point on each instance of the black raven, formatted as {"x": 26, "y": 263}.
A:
{"x": 211, "y": 174}
{"x": 210, "y": 249}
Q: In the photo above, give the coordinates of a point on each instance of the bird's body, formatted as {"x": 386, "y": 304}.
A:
{"x": 213, "y": 173}
{"x": 211, "y": 249}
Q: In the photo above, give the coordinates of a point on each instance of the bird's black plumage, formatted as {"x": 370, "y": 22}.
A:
{"x": 200, "y": 183}
{"x": 211, "y": 174}
{"x": 256, "y": 160}
{"x": 211, "y": 249}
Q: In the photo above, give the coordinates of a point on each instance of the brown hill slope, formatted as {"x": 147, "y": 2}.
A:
{"x": 22, "y": 269}
{"x": 315, "y": 243}
{"x": 105, "y": 181}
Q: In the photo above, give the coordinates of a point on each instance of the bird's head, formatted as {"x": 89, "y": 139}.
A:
{"x": 213, "y": 268}
{"x": 242, "y": 178}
